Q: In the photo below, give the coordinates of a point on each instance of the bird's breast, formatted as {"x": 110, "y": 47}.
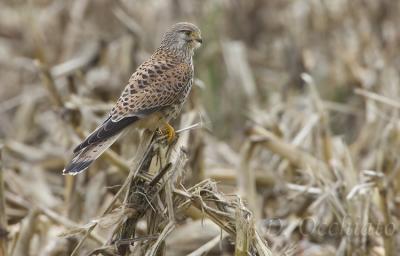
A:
{"x": 152, "y": 121}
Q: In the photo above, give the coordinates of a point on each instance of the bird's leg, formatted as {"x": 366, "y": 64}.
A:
{"x": 169, "y": 131}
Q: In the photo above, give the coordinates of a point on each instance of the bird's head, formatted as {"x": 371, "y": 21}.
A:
{"x": 182, "y": 36}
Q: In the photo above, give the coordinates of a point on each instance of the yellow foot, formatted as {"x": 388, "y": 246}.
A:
{"x": 169, "y": 131}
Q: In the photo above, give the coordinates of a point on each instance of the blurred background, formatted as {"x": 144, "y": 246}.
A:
{"x": 298, "y": 103}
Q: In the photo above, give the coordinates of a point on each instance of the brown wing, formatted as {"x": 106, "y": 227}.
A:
{"x": 156, "y": 84}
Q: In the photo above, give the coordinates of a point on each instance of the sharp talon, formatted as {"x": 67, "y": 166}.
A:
{"x": 169, "y": 131}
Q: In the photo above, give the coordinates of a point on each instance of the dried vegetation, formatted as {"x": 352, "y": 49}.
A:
{"x": 289, "y": 144}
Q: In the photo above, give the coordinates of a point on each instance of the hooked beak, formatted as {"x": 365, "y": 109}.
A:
{"x": 197, "y": 37}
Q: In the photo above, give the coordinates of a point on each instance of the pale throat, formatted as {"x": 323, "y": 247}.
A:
{"x": 183, "y": 51}
{"x": 180, "y": 49}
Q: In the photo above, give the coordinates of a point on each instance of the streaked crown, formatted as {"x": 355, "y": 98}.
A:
{"x": 183, "y": 37}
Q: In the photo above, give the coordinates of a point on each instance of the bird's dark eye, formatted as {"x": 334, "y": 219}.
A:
{"x": 186, "y": 32}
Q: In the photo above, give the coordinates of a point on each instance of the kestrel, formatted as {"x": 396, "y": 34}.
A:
{"x": 154, "y": 95}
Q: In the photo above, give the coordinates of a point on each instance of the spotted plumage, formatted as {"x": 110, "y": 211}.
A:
{"x": 154, "y": 95}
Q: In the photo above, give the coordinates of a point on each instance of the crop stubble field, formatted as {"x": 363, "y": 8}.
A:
{"x": 288, "y": 144}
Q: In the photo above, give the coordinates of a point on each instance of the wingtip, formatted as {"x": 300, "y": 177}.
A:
{"x": 66, "y": 172}
{"x": 76, "y": 167}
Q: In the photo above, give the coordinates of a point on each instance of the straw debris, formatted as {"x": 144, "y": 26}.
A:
{"x": 288, "y": 144}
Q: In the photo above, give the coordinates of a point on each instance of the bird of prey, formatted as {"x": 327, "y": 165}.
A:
{"x": 153, "y": 96}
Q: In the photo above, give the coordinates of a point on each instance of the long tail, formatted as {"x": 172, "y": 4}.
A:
{"x": 83, "y": 158}
{"x": 96, "y": 143}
